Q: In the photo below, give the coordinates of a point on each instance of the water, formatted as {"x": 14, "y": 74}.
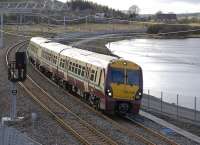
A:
{"x": 169, "y": 65}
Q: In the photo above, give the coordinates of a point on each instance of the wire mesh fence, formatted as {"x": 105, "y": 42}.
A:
{"x": 10, "y": 136}
{"x": 177, "y": 105}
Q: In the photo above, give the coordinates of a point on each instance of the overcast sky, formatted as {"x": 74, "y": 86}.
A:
{"x": 152, "y": 6}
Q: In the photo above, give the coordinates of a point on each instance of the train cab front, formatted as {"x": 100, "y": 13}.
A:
{"x": 124, "y": 87}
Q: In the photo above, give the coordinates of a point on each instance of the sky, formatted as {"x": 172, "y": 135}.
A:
{"x": 153, "y": 6}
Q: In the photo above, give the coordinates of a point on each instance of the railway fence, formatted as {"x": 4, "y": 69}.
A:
{"x": 176, "y": 105}
{"x": 10, "y": 136}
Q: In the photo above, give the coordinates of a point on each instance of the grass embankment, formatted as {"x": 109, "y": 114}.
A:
{"x": 54, "y": 29}
{"x": 97, "y": 46}
{"x": 174, "y": 30}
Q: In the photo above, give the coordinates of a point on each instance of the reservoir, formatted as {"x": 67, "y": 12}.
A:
{"x": 169, "y": 65}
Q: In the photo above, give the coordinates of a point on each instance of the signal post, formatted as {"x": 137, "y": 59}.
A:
{"x": 16, "y": 73}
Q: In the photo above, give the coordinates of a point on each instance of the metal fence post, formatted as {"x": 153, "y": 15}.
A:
{"x": 64, "y": 21}
{"x": 148, "y": 99}
{"x": 195, "y": 108}
{"x": 1, "y": 33}
{"x": 177, "y": 106}
{"x": 161, "y": 107}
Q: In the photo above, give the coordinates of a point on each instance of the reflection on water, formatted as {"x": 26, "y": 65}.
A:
{"x": 171, "y": 65}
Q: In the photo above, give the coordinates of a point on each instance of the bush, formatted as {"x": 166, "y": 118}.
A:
{"x": 166, "y": 28}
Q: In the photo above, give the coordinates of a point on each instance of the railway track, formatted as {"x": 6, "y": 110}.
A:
{"x": 69, "y": 120}
{"x": 146, "y": 132}
{"x": 86, "y": 133}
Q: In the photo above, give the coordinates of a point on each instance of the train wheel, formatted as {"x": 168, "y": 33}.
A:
{"x": 70, "y": 89}
{"x": 97, "y": 104}
{"x": 86, "y": 97}
{"x": 65, "y": 85}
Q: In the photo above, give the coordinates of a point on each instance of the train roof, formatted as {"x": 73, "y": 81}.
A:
{"x": 39, "y": 40}
{"x": 50, "y": 45}
{"x": 96, "y": 59}
{"x": 90, "y": 57}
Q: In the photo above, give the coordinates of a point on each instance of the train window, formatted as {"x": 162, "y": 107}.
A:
{"x": 100, "y": 77}
{"x": 73, "y": 67}
{"x": 79, "y": 70}
{"x": 117, "y": 76}
{"x": 95, "y": 76}
{"x": 92, "y": 75}
{"x": 133, "y": 77}
{"x": 62, "y": 63}
{"x": 70, "y": 66}
{"x": 54, "y": 59}
{"x": 49, "y": 56}
{"x": 76, "y": 69}
{"x": 66, "y": 64}
{"x": 83, "y": 72}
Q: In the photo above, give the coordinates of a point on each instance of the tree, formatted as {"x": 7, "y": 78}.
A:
{"x": 159, "y": 12}
{"x": 133, "y": 11}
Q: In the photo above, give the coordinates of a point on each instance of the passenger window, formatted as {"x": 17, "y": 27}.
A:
{"x": 73, "y": 67}
{"x": 92, "y": 75}
{"x": 70, "y": 66}
{"x": 76, "y": 69}
{"x": 79, "y": 70}
{"x": 95, "y": 76}
{"x": 83, "y": 72}
{"x": 61, "y": 62}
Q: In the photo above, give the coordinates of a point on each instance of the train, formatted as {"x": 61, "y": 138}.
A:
{"x": 108, "y": 83}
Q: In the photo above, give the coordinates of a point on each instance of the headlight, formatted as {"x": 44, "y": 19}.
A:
{"x": 137, "y": 97}
{"x": 109, "y": 92}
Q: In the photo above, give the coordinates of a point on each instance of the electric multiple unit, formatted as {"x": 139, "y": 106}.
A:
{"x": 108, "y": 83}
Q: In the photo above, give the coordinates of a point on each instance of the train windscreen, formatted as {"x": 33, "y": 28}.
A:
{"x": 132, "y": 77}
{"x": 120, "y": 76}
{"x": 117, "y": 76}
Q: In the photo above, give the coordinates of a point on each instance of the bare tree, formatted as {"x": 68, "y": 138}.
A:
{"x": 159, "y": 12}
{"x": 133, "y": 11}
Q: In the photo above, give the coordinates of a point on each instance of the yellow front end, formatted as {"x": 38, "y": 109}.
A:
{"x": 124, "y": 80}
{"x": 124, "y": 92}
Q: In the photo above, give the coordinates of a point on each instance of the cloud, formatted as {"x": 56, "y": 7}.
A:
{"x": 184, "y": 1}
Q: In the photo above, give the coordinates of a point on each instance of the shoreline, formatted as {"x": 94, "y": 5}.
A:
{"x": 180, "y": 122}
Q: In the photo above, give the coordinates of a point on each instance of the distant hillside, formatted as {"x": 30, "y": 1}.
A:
{"x": 76, "y": 8}
{"x": 92, "y": 8}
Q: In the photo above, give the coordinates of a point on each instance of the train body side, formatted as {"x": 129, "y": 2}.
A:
{"x": 79, "y": 71}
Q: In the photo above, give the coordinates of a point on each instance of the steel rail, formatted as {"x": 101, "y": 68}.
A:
{"x": 82, "y": 130}
{"x": 154, "y": 133}
{"x": 117, "y": 125}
